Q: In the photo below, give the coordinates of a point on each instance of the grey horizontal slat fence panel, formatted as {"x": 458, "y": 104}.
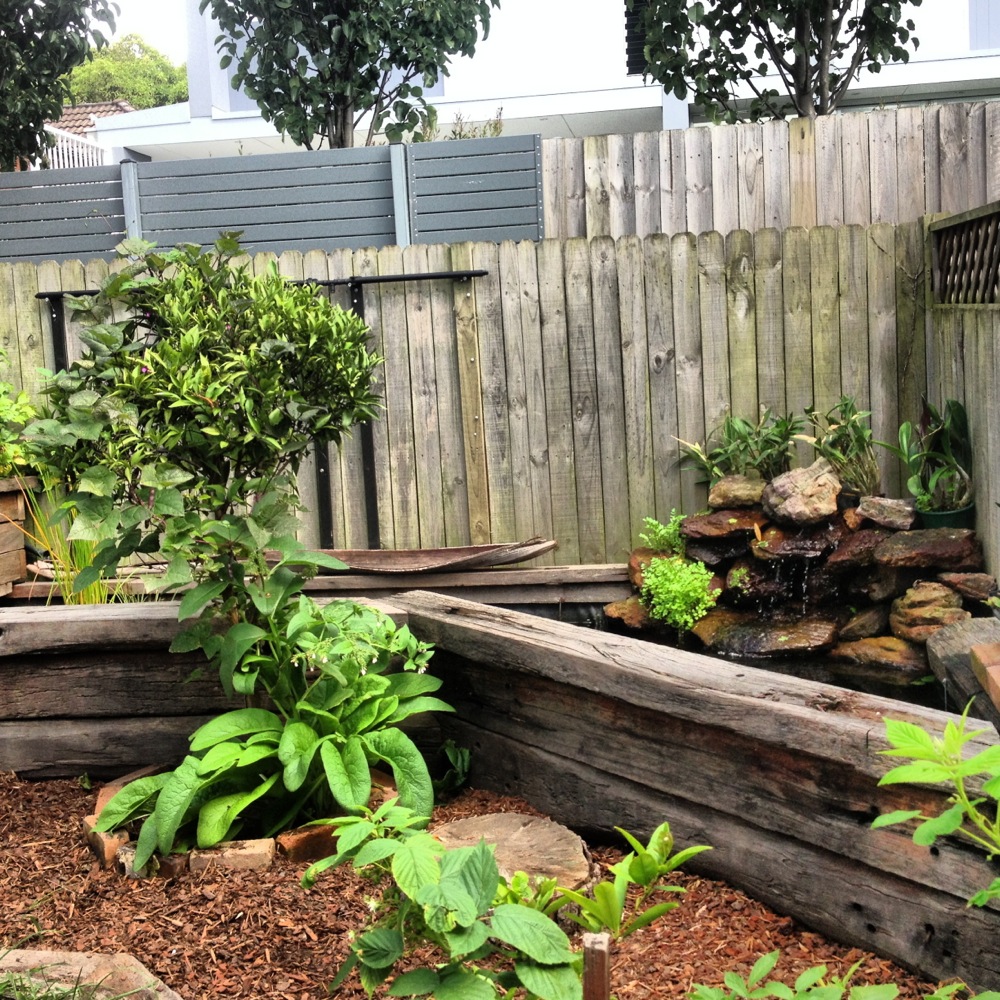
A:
{"x": 476, "y": 189}
{"x": 344, "y": 196}
{"x": 60, "y": 214}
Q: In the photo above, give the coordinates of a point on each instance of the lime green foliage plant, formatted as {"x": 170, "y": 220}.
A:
{"x": 16, "y": 410}
{"x": 843, "y": 436}
{"x": 814, "y": 984}
{"x": 664, "y": 537}
{"x": 744, "y": 448}
{"x": 974, "y": 814}
{"x": 677, "y": 591}
{"x": 937, "y": 455}
{"x": 456, "y": 900}
{"x": 337, "y": 709}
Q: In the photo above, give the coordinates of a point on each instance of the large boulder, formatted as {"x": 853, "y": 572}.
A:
{"x": 803, "y": 496}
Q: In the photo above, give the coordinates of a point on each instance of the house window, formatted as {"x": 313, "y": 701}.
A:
{"x": 984, "y": 24}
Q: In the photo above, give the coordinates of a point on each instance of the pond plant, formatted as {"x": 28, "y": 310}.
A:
{"x": 677, "y": 591}
{"x": 843, "y": 436}
{"x": 937, "y": 455}
{"x": 178, "y": 436}
{"x": 744, "y": 448}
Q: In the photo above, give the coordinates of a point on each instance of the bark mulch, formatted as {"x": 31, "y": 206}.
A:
{"x": 230, "y": 934}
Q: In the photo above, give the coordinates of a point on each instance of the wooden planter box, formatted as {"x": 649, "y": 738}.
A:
{"x": 13, "y": 564}
{"x": 779, "y": 775}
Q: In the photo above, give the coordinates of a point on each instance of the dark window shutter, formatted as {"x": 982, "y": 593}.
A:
{"x": 635, "y": 38}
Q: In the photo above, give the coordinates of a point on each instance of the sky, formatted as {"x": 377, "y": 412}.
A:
{"x": 160, "y": 23}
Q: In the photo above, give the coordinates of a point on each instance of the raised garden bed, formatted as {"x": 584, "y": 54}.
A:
{"x": 778, "y": 774}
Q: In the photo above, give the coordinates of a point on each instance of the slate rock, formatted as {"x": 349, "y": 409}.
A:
{"x": 723, "y": 523}
{"x": 923, "y": 609}
{"x": 955, "y": 549}
{"x": 972, "y": 586}
{"x": 856, "y": 549}
{"x": 866, "y": 624}
{"x": 899, "y": 515}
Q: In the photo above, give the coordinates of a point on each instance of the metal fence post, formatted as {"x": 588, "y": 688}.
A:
{"x": 398, "y": 163}
{"x": 130, "y": 197}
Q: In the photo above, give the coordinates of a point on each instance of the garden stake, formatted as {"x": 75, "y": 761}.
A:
{"x": 596, "y": 966}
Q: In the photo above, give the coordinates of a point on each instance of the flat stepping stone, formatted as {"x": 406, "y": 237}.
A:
{"x": 109, "y": 975}
{"x": 539, "y": 847}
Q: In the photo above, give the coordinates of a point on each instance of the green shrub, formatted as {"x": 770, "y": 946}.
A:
{"x": 677, "y": 591}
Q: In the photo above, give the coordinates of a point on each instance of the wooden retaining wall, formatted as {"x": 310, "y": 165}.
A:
{"x": 779, "y": 775}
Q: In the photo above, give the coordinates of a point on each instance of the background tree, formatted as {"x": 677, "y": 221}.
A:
{"x": 40, "y": 42}
{"x": 816, "y": 47}
{"x": 316, "y": 67}
{"x": 129, "y": 70}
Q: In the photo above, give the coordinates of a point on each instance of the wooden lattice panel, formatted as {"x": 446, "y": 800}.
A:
{"x": 967, "y": 261}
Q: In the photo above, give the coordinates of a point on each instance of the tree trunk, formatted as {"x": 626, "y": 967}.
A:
{"x": 341, "y": 126}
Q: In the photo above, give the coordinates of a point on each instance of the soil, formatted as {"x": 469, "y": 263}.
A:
{"x": 231, "y": 934}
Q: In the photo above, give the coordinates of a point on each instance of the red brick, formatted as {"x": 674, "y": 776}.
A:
{"x": 308, "y": 843}
{"x": 104, "y": 845}
{"x": 247, "y": 854}
{"x": 985, "y": 661}
{"x": 108, "y": 791}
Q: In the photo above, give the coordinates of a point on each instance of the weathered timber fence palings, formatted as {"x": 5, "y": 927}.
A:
{"x": 548, "y": 396}
{"x": 892, "y": 165}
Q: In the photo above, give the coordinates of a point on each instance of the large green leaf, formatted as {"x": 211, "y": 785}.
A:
{"x": 474, "y": 870}
{"x": 130, "y": 801}
{"x": 531, "y": 932}
{"x": 216, "y": 816}
{"x": 240, "y": 722}
{"x": 459, "y": 983}
{"x": 174, "y": 801}
{"x": 237, "y": 641}
{"x": 296, "y": 751}
{"x": 197, "y": 599}
{"x": 380, "y": 948}
{"x": 417, "y": 983}
{"x": 347, "y": 772}
{"x": 550, "y": 982}
{"x": 415, "y": 864}
{"x": 413, "y": 781}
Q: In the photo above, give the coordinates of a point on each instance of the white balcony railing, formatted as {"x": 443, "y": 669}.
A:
{"x": 73, "y": 151}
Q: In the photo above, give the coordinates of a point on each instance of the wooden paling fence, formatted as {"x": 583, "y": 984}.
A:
{"x": 892, "y": 165}
{"x": 547, "y": 397}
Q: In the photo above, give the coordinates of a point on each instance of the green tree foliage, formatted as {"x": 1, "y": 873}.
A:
{"x": 816, "y": 47}
{"x": 129, "y": 70}
{"x": 40, "y": 42}
{"x": 316, "y": 67}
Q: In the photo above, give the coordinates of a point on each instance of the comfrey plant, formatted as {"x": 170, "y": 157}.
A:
{"x": 178, "y": 436}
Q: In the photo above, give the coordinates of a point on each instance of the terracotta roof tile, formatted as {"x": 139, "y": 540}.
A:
{"x": 79, "y": 119}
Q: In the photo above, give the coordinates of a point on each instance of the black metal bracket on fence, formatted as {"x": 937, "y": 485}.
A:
{"x": 355, "y": 291}
{"x": 57, "y": 317}
{"x": 356, "y": 294}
